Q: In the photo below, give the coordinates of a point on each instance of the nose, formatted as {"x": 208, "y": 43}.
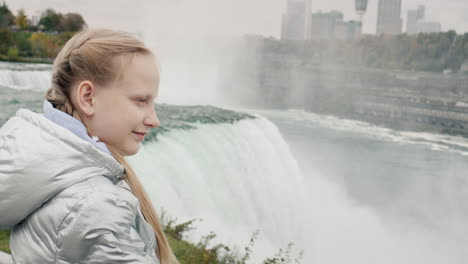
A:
{"x": 152, "y": 119}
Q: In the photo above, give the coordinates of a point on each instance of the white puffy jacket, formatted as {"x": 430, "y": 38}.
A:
{"x": 65, "y": 200}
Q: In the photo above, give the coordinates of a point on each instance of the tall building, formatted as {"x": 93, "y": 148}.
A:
{"x": 415, "y": 22}
{"x": 348, "y": 30}
{"x": 361, "y": 7}
{"x": 411, "y": 21}
{"x": 298, "y": 23}
{"x": 331, "y": 26}
{"x": 308, "y": 19}
{"x": 294, "y": 20}
{"x": 323, "y": 24}
{"x": 428, "y": 27}
{"x": 389, "y": 17}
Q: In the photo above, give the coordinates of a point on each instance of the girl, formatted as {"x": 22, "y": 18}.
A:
{"x": 66, "y": 191}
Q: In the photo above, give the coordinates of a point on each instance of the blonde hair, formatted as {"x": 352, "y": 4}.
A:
{"x": 89, "y": 56}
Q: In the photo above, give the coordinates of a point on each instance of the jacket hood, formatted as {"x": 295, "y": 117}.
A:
{"x": 39, "y": 159}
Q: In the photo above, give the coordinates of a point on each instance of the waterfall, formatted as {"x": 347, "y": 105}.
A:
{"x": 236, "y": 177}
{"x": 25, "y": 80}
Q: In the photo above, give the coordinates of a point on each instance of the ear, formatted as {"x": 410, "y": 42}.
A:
{"x": 84, "y": 95}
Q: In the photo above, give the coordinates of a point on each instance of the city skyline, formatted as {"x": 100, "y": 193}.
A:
{"x": 298, "y": 23}
{"x": 229, "y": 18}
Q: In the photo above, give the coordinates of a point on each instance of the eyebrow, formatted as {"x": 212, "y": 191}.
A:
{"x": 144, "y": 95}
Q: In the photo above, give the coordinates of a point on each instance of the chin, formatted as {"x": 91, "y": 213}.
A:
{"x": 132, "y": 151}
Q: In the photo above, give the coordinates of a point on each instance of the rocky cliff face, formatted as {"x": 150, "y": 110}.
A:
{"x": 404, "y": 100}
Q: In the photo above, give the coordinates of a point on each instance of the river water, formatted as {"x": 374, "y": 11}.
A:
{"x": 343, "y": 191}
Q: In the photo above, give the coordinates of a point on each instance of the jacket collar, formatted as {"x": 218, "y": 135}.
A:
{"x": 74, "y": 125}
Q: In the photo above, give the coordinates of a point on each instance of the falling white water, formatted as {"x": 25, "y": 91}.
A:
{"x": 23, "y": 76}
{"x": 242, "y": 177}
{"x": 237, "y": 178}
{"x": 245, "y": 176}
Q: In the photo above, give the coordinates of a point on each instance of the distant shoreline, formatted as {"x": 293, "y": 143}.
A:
{"x": 28, "y": 60}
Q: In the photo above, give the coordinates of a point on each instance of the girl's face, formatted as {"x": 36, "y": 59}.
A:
{"x": 122, "y": 111}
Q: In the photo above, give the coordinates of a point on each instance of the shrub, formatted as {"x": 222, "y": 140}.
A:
{"x": 12, "y": 53}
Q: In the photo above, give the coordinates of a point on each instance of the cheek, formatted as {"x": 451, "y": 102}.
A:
{"x": 106, "y": 124}
{"x": 116, "y": 120}
{"x": 106, "y": 128}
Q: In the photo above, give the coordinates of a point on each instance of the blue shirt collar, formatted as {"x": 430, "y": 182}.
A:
{"x": 74, "y": 125}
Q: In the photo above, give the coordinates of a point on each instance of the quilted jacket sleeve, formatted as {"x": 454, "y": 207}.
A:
{"x": 101, "y": 229}
{"x": 4, "y": 258}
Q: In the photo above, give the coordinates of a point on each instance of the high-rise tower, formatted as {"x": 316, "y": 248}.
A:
{"x": 296, "y": 20}
{"x": 389, "y": 17}
{"x": 361, "y": 7}
{"x": 308, "y": 19}
{"x": 415, "y": 23}
{"x": 293, "y": 20}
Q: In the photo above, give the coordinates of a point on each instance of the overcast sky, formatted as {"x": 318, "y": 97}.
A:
{"x": 225, "y": 17}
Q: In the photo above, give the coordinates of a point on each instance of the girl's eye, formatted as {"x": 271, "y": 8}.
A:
{"x": 142, "y": 100}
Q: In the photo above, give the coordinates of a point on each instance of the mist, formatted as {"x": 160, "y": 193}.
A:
{"x": 376, "y": 124}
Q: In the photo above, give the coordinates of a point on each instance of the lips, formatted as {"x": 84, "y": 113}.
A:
{"x": 140, "y": 135}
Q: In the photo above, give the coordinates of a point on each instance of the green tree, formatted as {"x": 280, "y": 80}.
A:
{"x": 6, "y": 17}
{"x": 50, "y": 20}
{"x": 466, "y": 50}
{"x": 7, "y": 40}
{"x": 71, "y": 22}
{"x": 44, "y": 45}
{"x": 22, "y": 20}
{"x": 63, "y": 37}
{"x": 12, "y": 53}
{"x": 23, "y": 43}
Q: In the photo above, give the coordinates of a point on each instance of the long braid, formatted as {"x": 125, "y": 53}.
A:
{"x": 148, "y": 211}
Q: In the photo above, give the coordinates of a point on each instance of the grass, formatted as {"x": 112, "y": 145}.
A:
{"x": 4, "y": 241}
{"x": 185, "y": 251}
{"x": 201, "y": 252}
